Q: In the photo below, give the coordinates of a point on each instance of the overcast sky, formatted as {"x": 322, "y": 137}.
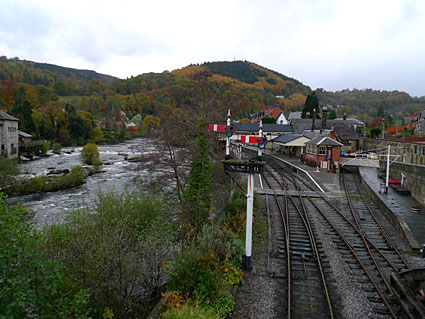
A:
{"x": 330, "y": 44}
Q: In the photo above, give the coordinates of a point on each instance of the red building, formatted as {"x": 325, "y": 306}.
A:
{"x": 323, "y": 152}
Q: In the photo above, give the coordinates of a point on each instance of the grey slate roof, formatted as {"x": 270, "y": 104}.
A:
{"x": 312, "y": 134}
{"x": 301, "y": 125}
{"x": 5, "y": 116}
{"x": 320, "y": 140}
{"x": 286, "y": 138}
{"x": 294, "y": 115}
{"x": 343, "y": 129}
{"x": 253, "y": 127}
{"x": 23, "y": 134}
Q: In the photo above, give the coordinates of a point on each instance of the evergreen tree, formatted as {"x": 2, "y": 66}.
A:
{"x": 332, "y": 115}
{"x": 311, "y": 103}
{"x": 22, "y": 110}
{"x": 381, "y": 112}
{"x": 197, "y": 197}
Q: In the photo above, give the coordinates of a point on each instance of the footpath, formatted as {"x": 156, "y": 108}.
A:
{"x": 396, "y": 207}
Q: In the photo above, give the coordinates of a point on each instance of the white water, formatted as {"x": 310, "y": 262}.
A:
{"x": 119, "y": 175}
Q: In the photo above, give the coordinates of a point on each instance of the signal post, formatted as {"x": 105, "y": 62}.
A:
{"x": 250, "y": 167}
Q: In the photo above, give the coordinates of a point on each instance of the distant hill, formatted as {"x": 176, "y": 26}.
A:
{"x": 241, "y": 86}
{"x": 258, "y": 76}
{"x": 34, "y": 73}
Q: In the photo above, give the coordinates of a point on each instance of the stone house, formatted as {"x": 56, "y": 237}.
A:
{"x": 9, "y": 143}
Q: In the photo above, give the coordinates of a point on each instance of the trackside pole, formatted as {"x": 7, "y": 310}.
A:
{"x": 228, "y": 137}
{"x": 388, "y": 170}
{"x": 249, "y": 210}
{"x": 260, "y": 132}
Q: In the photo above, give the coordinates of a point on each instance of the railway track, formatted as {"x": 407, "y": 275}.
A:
{"x": 359, "y": 236}
{"x": 305, "y": 278}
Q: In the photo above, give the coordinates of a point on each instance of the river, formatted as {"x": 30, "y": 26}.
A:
{"x": 117, "y": 174}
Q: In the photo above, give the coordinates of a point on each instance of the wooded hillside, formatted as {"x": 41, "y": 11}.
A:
{"x": 62, "y": 103}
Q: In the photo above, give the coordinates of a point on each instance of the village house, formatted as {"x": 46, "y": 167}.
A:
{"x": 270, "y": 111}
{"x": 343, "y": 130}
{"x": 9, "y": 142}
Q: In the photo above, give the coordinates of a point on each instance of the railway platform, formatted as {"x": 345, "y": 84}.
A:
{"x": 397, "y": 207}
{"x": 328, "y": 181}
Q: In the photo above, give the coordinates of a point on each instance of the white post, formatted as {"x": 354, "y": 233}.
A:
{"x": 260, "y": 132}
{"x": 249, "y": 210}
{"x": 228, "y": 137}
{"x": 402, "y": 178}
{"x": 388, "y": 170}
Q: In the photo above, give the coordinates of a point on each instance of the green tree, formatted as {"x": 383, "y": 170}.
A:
{"x": 268, "y": 120}
{"x": 76, "y": 126}
{"x": 22, "y": 110}
{"x": 311, "y": 104}
{"x": 60, "y": 88}
{"x": 97, "y": 135}
{"x": 381, "y": 112}
{"x": 90, "y": 154}
{"x": 332, "y": 115}
{"x": 8, "y": 170}
{"x": 197, "y": 196}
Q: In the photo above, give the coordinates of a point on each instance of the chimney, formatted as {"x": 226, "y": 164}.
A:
{"x": 324, "y": 117}
{"x": 314, "y": 120}
{"x": 332, "y": 134}
{"x": 344, "y": 116}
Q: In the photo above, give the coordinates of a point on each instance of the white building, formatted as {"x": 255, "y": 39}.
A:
{"x": 8, "y": 135}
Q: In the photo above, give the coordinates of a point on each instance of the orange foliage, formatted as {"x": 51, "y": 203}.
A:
{"x": 189, "y": 70}
{"x": 245, "y": 120}
{"x": 294, "y": 100}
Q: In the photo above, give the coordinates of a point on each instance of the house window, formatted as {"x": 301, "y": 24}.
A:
{"x": 322, "y": 150}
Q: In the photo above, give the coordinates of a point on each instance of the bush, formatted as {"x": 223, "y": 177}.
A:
{"x": 8, "y": 170}
{"x": 206, "y": 269}
{"x": 90, "y": 154}
{"x": 57, "y": 148}
{"x": 42, "y": 184}
{"x": 32, "y": 284}
{"x": 189, "y": 311}
{"x": 45, "y": 147}
{"x": 118, "y": 250}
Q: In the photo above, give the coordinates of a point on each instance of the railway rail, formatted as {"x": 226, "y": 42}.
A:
{"x": 306, "y": 281}
{"x": 359, "y": 236}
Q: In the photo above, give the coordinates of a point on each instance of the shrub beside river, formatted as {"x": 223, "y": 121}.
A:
{"x": 42, "y": 184}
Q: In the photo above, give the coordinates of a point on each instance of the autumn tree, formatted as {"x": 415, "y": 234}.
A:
{"x": 150, "y": 123}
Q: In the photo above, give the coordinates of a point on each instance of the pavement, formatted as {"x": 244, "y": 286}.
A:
{"x": 396, "y": 207}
